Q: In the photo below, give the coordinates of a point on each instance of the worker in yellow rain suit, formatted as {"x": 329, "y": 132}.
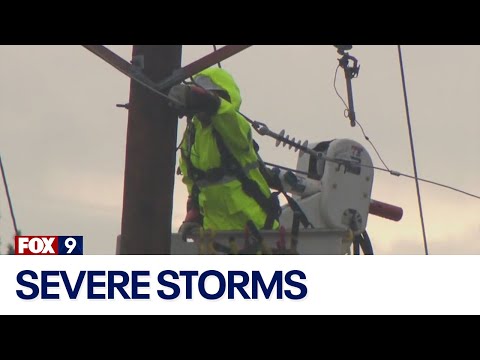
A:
{"x": 219, "y": 161}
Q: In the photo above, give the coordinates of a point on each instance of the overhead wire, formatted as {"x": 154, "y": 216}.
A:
{"x": 347, "y": 114}
{"x": 412, "y": 147}
{"x": 256, "y": 125}
{"x": 10, "y": 205}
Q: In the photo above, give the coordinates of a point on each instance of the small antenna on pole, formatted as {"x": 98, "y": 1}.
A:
{"x": 351, "y": 72}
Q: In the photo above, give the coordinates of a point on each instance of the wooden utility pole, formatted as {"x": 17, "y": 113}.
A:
{"x": 150, "y": 157}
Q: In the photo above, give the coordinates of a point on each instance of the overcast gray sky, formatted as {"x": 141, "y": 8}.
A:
{"x": 62, "y": 139}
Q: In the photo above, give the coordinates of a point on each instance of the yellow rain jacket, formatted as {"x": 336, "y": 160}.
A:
{"x": 223, "y": 203}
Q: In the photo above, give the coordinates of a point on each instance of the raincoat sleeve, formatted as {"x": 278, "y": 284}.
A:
{"x": 233, "y": 128}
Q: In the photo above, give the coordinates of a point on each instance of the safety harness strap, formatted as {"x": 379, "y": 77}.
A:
{"x": 270, "y": 205}
{"x": 229, "y": 170}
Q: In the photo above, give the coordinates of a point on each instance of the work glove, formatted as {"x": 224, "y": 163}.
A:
{"x": 189, "y": 229}
{"x": 190, "y": 100}
{"x": 192, "y": 223}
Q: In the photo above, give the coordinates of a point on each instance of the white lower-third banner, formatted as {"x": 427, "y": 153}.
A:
{"x": 240, "y": 285}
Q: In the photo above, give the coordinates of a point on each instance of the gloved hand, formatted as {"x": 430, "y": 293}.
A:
{"x": 189, "y": 229}
{"x": 192, "y": 222}
{"x": 193, "y": 99}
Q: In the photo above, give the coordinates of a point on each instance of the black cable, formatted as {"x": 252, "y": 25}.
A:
{"x": 347, "y": 110}
{"x": 395, "y": 173}
{"x": 412, "y": 147}
{"x": 366, "y": 243}
{"x": 256, "y": 124}
{"x": 391, "y": 172}
{"x": 9, "y": 199}
{"x": 434, "y": 183}
{"x": 347, "y": 115}
{"x": 398, "y": 174}
{"x": 215, "y": 49}
{"x": 286, "y": 168}
{"x": 373, "y": 146}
